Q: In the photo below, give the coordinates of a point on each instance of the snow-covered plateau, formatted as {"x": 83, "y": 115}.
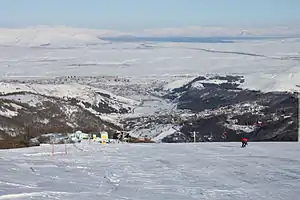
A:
{"x": 63, "y": 80}
{"x": 212, "y": 171}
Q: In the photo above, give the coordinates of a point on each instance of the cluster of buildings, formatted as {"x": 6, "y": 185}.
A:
{"x": 79, "y": 136}
{"x": 101, "y": 137}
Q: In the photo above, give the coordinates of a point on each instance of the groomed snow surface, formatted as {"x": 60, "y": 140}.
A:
{"x": 152, "y": 171}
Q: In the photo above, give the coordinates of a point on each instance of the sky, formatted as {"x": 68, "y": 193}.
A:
{"x": 147, "y": 14}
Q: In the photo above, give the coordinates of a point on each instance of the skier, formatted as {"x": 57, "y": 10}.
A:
{"x": 244, "y": 142}
{"x": 225, "y": 135}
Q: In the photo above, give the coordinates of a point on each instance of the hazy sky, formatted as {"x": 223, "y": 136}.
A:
{"x": 147, "y": 14}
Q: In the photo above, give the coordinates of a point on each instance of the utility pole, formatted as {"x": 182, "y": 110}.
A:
{"x": 52, "y": 146}
{"x": 66, "y": 148}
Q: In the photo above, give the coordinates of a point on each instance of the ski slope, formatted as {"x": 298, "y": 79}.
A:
{"x": 152, "y": 171}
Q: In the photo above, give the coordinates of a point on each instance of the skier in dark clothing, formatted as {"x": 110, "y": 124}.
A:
{"x": 244, "y": 142}
{"x": 225, "y": 136}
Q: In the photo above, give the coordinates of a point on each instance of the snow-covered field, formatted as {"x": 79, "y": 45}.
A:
{"x": 152, "y": 171}
{"x": 267, "y": 64}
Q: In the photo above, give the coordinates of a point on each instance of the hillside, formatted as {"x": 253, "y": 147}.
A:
{"x": 162, "y": 111}
{"x": 211, "y": 106}
{"x": 29, "y": 110}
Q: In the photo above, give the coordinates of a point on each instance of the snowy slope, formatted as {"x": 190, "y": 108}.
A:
{"x": 102, "y": 104}
{"x": 210, "y": 171}
{"x": 80, "y": 92}
{"x": 8, "y": 112}
{"x": 178, "y": 83}
{"x": 25, "y": 112}
{"x": 155, "y": 132}
{"x": 30, "y": 99}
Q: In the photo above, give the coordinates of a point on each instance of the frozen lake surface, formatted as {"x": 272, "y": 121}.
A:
{"x": 152, "y": 171}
